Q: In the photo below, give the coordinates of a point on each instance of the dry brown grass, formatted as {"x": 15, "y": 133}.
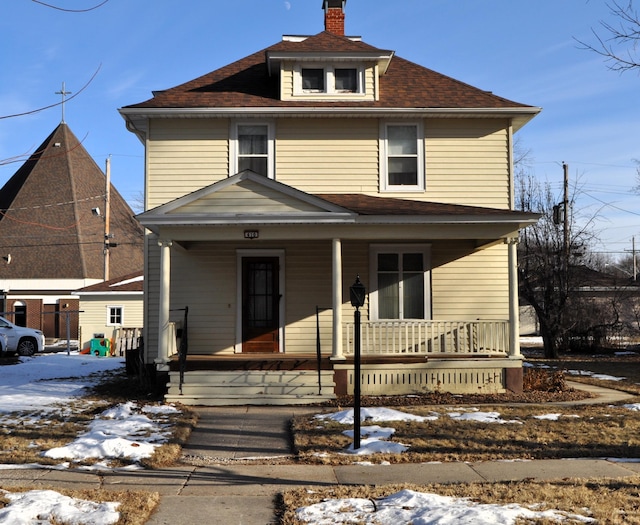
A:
{"x": 25, "y": 436}
{"x": 610, "y": 502}
{"x": 580, "y": 431}
{"x": 135, "y": 506}
{"x": 620, "y": 366}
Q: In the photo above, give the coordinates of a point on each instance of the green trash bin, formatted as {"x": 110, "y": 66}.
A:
{"x": 101, "y": 347}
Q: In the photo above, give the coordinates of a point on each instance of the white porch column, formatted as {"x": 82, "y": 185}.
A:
{"x": 337, "y": 300}
{"x": 162, "y": 360}
{"x": 514, "y": 310}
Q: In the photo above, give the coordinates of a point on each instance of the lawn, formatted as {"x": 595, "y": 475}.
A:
{"x": 505, "y": 431}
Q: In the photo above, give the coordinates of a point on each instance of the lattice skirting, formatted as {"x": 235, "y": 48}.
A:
{"x": 463, "y": 378}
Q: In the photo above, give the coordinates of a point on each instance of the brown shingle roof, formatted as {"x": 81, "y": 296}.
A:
{"x": 246, "y": 83}
{"x": 370, "y": 205}
{"x": 46, "y": 223}
{"x": 133, "y": 282}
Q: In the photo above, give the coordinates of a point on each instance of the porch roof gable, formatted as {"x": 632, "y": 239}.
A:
{"x": 249, "y": 199}
{"x": 244, "y": 197}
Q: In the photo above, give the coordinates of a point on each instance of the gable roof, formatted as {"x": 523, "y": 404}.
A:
{"x": 247, "y": 83}
{"x": 47, "y": 228}
{"x": 132, "y": 283}
{"x": 263, "y": 201}
{"x": 245, "y": 198}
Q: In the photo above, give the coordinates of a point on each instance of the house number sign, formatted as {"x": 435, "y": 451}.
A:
{"x": 251, "y": 234}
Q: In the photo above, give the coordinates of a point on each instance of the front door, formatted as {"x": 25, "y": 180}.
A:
{"x": 260, "y": 304}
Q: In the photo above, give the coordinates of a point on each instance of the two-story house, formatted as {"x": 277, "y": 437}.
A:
{"x": 275, "y": 181}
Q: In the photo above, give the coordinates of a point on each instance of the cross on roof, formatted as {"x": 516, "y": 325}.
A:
{"x": 64, "y": 94}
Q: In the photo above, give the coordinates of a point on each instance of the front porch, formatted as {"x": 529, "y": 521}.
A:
{"x": 397, "y": 358}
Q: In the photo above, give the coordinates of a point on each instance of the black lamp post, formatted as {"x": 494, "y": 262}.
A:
{"x": 357, "y": 292}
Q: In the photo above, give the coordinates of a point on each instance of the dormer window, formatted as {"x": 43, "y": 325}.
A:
{"x": 313, "y": 80}
{"x": 346, "y": 80}
{"x": 329, "y": 80}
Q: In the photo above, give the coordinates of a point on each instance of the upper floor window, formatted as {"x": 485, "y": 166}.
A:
{"x": 402, "y": 165}
{"x": 252, "y": 148}
{"x": 329, "y": 80}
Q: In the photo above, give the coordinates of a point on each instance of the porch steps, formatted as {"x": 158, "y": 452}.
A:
{"x": 250, "y": 387}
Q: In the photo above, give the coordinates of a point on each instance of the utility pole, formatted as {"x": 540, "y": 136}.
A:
{"x": 633, "y": 253}
{"x": 107, "y": 214}
{"x": 565, "y": 205}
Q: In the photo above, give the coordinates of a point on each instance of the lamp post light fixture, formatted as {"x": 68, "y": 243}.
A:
{"x": 357, "y": 293}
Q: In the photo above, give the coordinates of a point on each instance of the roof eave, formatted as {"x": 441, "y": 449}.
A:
{"x": 136, "y": 118}
{"x": 197, "y": 220}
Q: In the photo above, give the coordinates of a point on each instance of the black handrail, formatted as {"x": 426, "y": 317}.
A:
{"x": 183, "y": 350}
{"x": 319, "y": 349}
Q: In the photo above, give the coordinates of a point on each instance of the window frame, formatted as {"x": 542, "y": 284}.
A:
{"x": 329, "y": 80}
{"x": 234, "y": 145}
{"x": 385, "y": 185}
{"x": 110, "y": 309}
{"x": 399, "y": 249}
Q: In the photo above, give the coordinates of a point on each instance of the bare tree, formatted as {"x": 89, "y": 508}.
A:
{"x": 549, "y": 262}
{"x": 618, "y": 42}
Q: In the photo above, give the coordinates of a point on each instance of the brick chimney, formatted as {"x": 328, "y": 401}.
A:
{"x": 334, "y": 16}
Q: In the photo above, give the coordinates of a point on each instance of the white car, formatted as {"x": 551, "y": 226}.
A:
{"x": 21, "y": 340}
{"x": 3, "y": 343}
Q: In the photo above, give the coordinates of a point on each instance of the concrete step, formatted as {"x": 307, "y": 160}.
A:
{"x": 238, "y": 400}
{"x": 253, "y": 376}
{"x": 250, "y": 387}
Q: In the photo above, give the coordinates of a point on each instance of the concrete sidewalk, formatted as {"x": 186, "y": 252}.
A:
{"x": 243, "y": 494}
{"x": 216, "y": 483}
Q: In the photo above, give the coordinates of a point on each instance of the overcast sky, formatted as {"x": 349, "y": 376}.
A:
{"x": 524, "y": 50}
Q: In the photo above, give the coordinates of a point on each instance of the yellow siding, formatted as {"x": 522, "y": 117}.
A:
{"x": 474, "y": 287}
{"x": 93, "y": 315}
{"x": 467, "y": 162}
{"x": 184, "y": 156}
{"x": 328, "y": 156}
{"x": 286, "y": 81}
{"x": 209, "y": 290}
{"x": 308, "y": 284}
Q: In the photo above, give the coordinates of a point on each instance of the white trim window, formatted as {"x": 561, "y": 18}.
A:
{"x": 402, "y": 152}
{"x": 400, "y": 282}
{"x": 325, "y": 79}
{"x": 115, "y": 315}
{"x": 252, "y": 148}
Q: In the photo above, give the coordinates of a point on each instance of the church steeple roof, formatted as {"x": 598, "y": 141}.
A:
{"x": 46, "y": 222}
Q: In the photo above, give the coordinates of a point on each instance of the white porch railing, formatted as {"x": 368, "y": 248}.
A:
{"x": 430, "y": 337}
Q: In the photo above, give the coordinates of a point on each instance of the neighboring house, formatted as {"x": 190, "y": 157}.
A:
{"x": 109, "y": 307}
{"x": 603, "y": 308}
{"x": 52, "y": 235}
{"x": 275, "y": 181}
